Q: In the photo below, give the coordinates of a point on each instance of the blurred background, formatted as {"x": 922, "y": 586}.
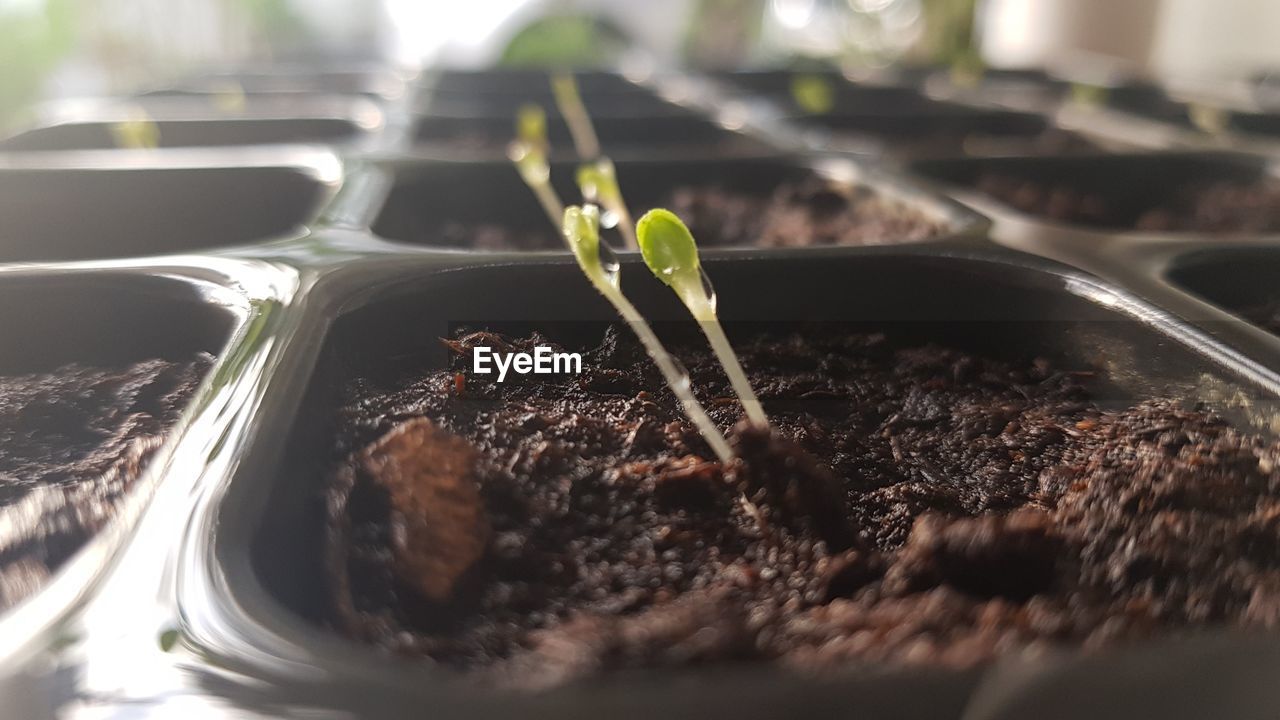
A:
{"x": 63, "y": 48}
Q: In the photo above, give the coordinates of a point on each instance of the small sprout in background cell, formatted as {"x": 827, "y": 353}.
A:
{"x": 813, "y": 94}
{"x": 598, "y": 181}
{"x": 967, "y": 69}
{"x": 168, "y": 639}
{"x": 529, "y": 153}
{"x": 672, "y": 255}
{"x": 228, "y": 97}
{"x": 565, "y": 89}
{"x": 531, "y": 126}
{"x": 582, "y": 233}
{"x": 1088, "y": 95}
{"x": 136, "y": 132}
{"x": 1209, "y": 119}
{"x": 597, "y": 178}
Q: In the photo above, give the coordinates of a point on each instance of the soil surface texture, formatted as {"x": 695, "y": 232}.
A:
{"x": 72, "y": 443}
{"x": 803, "y": 213}
{"x": 913, "y": 506}
{"x": 1207, "y": 207}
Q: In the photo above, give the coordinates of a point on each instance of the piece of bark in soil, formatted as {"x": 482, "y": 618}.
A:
{"x": 1012, "y": 556}
{"x": 439, "y": 528}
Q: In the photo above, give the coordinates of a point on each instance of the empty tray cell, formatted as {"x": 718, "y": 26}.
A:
{"x": 108, "y": 212}
{"x": 1216, "y": 193}
{"x": 292, "y": 82}
{"x": 1152, "y": 102}
{"x": 96, "y": 371}
{"x": 1255, "y": 123}
{"x": 1012, "y": 78}
{"x": 1149, "y": 101}
{"x": 946, "y": 464}
{"x": 600, "y": 106}
{"x": 617, "y": 135}
{"x": 940, "y": 129}
{"x": 520, "y": 82}
{"x": 604, "y": 96}
{"x": 186, "y": 133}
{"x": 1244, "y": 281}
{"x": 749, "y": 202}
{"x": 789, "y": 89}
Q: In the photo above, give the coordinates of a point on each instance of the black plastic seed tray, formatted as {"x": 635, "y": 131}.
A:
{"x": 268, "y": 531}
{"x": 188, "y": 133}
{"x": 459, "y": 98}
{"x": 142, "y": 204}
{"x": 298, "y": 81}
{"x": 902, "y": 122}
{"x": 940, "y": 129}
{"x": 60, "y": 538}
{"x": 1173, "y": 192}
{"x": 429, "y": 204}
{"x": 837, "y": 94}
{"x": 1243, "y": 280}
{"x": 1167, "y": 225}
{"x": 677, "y": 136}
{"x": 1149, "y": 101}
{"x": 503, "y": 107}
{"x": 300, "y": 270}
{"x": 1210, "y": 117}
{"x": 518, "y": 83}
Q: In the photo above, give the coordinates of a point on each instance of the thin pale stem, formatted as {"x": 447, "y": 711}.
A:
{"x": 536, "y": 173}
{"x": 565, "y": 89}
{"x": 549, "y": 200}
{"x": 675, "y": 377}
{"x": 710, "y": 324}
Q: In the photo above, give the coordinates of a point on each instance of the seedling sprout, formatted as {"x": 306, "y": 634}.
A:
{"x": 139, "y": 131}
{"x": 529, "y": 153}
{"x": 1209, "y": 119}
{"x": 580, "y": 227}
{"x": 813, "y": 94}
{"x": 672, "y": 255}
{"x": 582, "y": 233}
{"x": 565, "y": 89}
{"x": 1088, "y": 95}
{"x": 597, "y": 178}
{"x": 229, "y": 97}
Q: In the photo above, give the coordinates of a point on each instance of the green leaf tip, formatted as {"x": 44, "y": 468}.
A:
{"x": 813, "y": 94}
{"x": 1088, "y": 95}
{"x": 1209, "y": 119}
{"x": 667, "y": 246}
{"x": 581, "y": 229}
{"x": 599, "y": 180}
{"x": 138, "y": 132}
{"x": 168, "y": 640}
{"x": 531, "y": 125}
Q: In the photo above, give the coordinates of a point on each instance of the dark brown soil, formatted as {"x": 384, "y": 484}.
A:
{"x": 798, "y": 214}
{"x": 1211, "y": 207}
{"x": 72, "y": 442}
{"x": 917, "y": 506}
